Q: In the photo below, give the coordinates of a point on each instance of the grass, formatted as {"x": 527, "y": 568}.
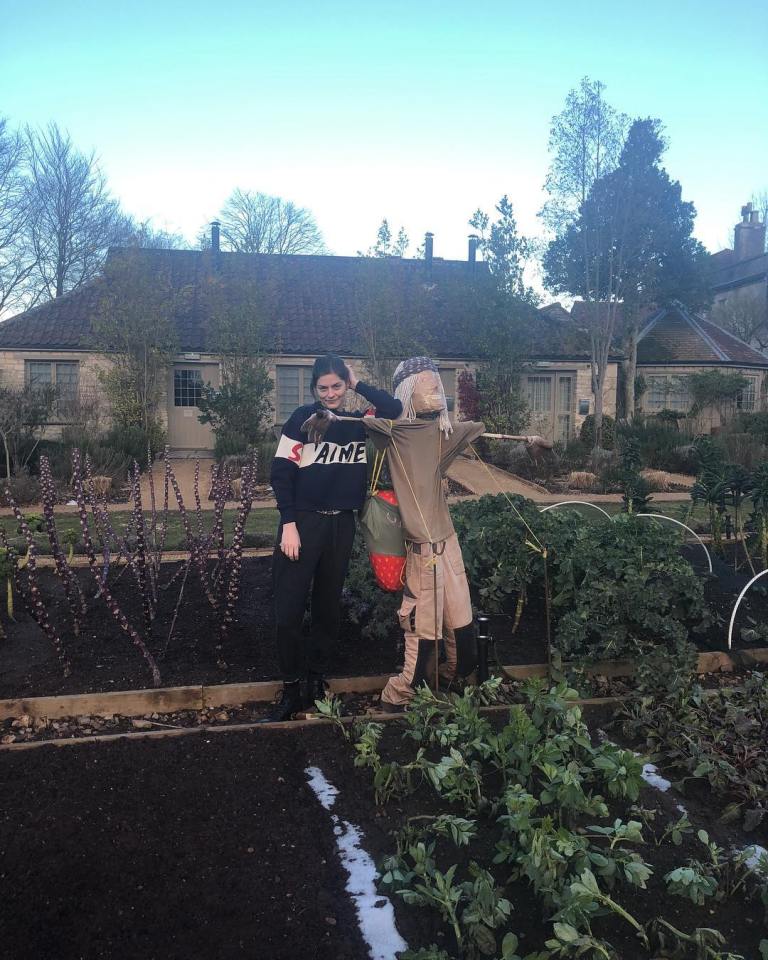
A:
{"x": 262, "y": 522}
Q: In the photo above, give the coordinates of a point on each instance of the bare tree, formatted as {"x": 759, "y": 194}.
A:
{"x": 16, "y": 263}
{"x": 135, "y": 330}
{"x": 760, "y": 203}
{"x": 745, "y": 316}
{"x": 141, "y": 233}
{"x": 585, "y": 142}
{"x": 72, "y": 217}
{"x": 258, "y": 223}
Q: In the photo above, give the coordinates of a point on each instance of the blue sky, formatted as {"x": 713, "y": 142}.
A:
{"x": 419, "y": 111}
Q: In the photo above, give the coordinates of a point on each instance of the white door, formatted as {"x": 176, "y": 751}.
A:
{"x": 185, "y": 432}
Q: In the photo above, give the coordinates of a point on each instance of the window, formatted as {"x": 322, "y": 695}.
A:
{"x": 448, "y": 377}
{"x": 540, "y": 394}
{"x": 746, "y": 399}
{"x": 564, "y": 406}
{"x": 63, "y": 375}
{"x": 667, "y": 393}
{"x": 293, "y": 389}
{"x": 187, "y": 387}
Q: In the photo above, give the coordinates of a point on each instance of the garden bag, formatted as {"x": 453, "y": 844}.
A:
{"x": 383, "y": 532}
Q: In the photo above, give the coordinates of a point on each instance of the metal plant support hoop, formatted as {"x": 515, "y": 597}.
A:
{"x": 661, "y": 516}
{"x": 581, "y": 503}
{"x": 738, "y": 602}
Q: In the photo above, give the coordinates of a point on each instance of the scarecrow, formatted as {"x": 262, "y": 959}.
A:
{"x": 436, "y": 604}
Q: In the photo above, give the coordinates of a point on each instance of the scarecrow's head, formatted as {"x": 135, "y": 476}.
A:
{"x": 417, "y": 385}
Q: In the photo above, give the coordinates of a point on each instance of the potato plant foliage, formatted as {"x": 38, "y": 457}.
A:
{"x": 619, "y": 587}
{"x": 535, "y": 791}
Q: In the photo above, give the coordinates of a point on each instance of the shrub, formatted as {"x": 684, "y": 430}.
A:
{"x": 620, "y": 588}
{"x": 587, "y": 432}
{"x": 24, "y": 488}
{"x": 229, "y": 444}
{"x": 583, "y": 480}
{"x": 366, "y": 605}
{"x": 133, "y": 442}
{"x": 755, "y": 424}
{"x": 573, "y": 455}
{"x": 497, "y": 560}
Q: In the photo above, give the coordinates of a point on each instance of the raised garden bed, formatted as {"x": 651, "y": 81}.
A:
{"x": 216, "y": 846}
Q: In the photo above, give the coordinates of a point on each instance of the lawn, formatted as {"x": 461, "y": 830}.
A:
{"x": 261, "y": 522}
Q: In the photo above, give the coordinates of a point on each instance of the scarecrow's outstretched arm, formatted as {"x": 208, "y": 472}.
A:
{"x": 464, "y": 432}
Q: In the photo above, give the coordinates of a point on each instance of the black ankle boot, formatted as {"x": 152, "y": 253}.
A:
{"x": 317, "y": 688}
{"x": 287, "y": 706}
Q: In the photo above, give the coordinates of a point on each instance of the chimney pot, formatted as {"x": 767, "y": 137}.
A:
{"x": 429, "y": 240}
{"x": 215, "y": 233}
{"x": 749, "y": 235}
{"x": 473, "y": 241}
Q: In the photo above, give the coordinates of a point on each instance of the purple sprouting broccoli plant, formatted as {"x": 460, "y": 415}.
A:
{"x": 235, "y": 559}
{"x": 31, "y": 592}
{"x": 72, "y": 589}
{"x": 101, "y": 580}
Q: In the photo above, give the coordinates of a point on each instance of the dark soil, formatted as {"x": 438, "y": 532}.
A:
{"x": 103, "y": 657}
{"x": 214, "y": 846}
{"x": 183, "y": 849}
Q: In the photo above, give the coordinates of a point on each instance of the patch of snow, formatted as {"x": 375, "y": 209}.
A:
{"x": 651, "y": 776}
{"x": 374, "y": 910}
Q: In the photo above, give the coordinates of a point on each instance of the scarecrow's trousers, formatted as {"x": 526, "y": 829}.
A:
{"x": 428, "y": 567}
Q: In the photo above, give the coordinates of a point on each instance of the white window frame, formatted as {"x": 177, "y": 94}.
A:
{"x": 287, "y": 400}
{"x": 55, "y": 377}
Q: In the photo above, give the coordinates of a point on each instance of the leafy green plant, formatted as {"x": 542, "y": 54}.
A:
{"x": 690, "y": 882}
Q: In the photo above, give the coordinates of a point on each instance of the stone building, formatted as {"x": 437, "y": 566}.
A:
{"x": 740, "y": 282}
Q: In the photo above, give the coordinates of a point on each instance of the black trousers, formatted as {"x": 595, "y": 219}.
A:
{"x": 326, "y": 545}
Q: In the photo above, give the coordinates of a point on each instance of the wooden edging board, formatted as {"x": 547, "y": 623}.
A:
{"x": 131, "y": 703}
{"x": 258, "y": 727}
{"x": 168, "y": 556}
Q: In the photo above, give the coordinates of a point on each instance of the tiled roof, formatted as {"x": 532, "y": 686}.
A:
{"x": 312, "y": 304}
{"x": 727, "y": 272}
{"x": 674, "y": 336}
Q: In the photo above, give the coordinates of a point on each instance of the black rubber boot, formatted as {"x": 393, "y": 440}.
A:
{"x": 317, "y": 688}
{"x": 289, "y": 704}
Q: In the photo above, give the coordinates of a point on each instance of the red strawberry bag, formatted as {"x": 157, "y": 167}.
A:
{"x": 383, "y": 532}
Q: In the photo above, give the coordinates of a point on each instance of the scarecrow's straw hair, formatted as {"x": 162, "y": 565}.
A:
{"x": 404, "y": 393}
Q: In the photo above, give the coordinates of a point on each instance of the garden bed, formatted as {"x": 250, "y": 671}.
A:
{"x": 104, "y": 659}
{"x": 195, "y": 847}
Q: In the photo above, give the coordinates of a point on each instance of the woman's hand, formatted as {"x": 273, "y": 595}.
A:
{"x": 290, "y": 542}
{"x": 351, "y": 378}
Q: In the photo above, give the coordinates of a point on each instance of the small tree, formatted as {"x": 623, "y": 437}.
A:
{"x": 385, "y": 245}
{"x": 136, "y": 332}
{"x": 24, "y": 413}
{"x": 238, "y": 410}
{"x": 502, "y": 309}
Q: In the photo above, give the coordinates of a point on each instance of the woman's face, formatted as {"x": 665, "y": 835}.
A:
{"x": 330, "y": 390}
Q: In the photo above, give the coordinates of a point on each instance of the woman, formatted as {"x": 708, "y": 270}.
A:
{"x": 317, "y": 485}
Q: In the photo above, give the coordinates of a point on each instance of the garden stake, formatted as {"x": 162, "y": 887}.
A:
{"x": 547, "y": 613}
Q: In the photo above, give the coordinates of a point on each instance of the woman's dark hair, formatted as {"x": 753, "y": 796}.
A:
{"x": 330, "y": 363}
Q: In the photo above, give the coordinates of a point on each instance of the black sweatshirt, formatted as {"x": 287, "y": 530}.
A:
{"x": 331, "y": 475}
